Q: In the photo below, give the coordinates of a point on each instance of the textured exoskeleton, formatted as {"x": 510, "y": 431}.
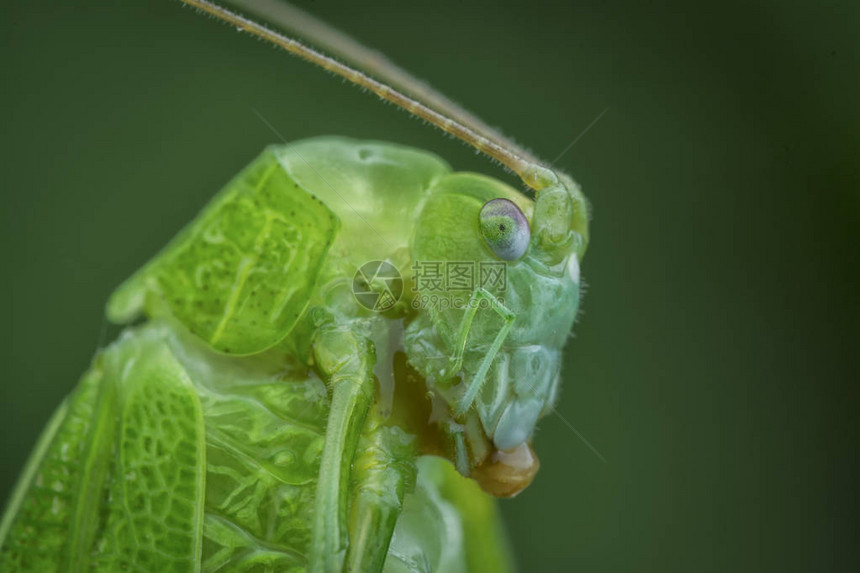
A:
{"x": 263, "y": 417}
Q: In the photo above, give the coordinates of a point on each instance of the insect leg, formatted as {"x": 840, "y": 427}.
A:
{"x": 383, "y": 470}
{"x": 456, "y": 361}
{"x": 478, "y": 381}
{"x": 345, "y": 359}
{"x": 456, "y": 435}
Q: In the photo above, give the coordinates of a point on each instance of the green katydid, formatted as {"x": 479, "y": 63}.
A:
{"x": 263, "y": 417}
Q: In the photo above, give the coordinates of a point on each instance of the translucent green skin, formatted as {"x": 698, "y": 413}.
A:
{"x": 249, "y": 424}
{"x": 220, "y": 457}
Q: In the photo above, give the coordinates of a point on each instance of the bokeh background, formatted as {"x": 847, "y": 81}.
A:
{"x": 714, "y": 364}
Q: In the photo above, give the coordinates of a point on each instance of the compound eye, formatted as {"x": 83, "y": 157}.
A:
{"x": 505, "y": 228}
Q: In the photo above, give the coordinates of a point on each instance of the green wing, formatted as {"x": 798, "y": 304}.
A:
{"x": 36, "y": 522}
{"x": 240, "y": 275}
{"x": 153, "y": 509}
{"x": 121, "y": 460}
{"x": 169, "y": 457}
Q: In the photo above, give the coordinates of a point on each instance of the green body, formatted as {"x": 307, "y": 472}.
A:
{"x": 262, "y": 420}
{"x": 220, "y": 457}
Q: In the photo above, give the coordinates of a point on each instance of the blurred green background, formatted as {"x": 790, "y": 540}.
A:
{"x": 714, "y": 364}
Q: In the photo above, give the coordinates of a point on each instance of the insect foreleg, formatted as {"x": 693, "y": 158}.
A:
{"x": 345, "y": 359}
{"x": 478, "y": 381}
{"x": 456, "y": 360}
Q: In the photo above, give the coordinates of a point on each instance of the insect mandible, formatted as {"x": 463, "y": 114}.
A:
{"x": 324, "y": 369}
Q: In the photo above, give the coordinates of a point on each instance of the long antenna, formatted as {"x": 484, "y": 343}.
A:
{"x": 532, "y": 172}
{"x": 308, "y": 27}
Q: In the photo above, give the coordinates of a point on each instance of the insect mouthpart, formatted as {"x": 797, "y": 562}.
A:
{"x": 505, "y": 473}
